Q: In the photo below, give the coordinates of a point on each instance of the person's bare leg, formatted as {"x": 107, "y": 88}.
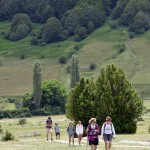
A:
{"x": 92, "y": 147}
{"x": 69, "y": 140}
{"x": 73, "y": 141}
{"x": 106, "y": 145}
{"x": 110, "y": 142}
{"x": 47, "y": 136}
{"x": 95, "y": 147}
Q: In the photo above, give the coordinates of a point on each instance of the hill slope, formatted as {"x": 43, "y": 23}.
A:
{"x": 101, "y": 47}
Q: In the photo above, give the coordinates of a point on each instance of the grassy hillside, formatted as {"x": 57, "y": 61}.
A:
{"x": 101, "y": 48}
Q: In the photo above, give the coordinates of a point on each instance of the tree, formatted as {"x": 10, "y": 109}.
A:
{"x": 140, "y": 22}
{"x": 37, "y": 91}
{"x": 118, "y": 10}
{"x": 52, "y": 30}
{"x": 132, "y": 8}
{"x": 20, "y": 27}
{"x": 115, "y": 96}
{"x": 54, "y": 96}
{"x": 112, "y": 94}
{"x": 74, "y": 70}
{"x": 80, "y": 102}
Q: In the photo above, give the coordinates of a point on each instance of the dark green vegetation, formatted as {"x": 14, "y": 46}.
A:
{"x": 111, "y": 94}
{"x": 61, "y": 19}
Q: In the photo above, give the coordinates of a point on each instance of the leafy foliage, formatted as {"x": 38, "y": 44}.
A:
{"x": 112, "y": 95}
{"x": 7, "y": 136}
{"x": 20, "y": 27}
{"x": 37, "y": 91}
{"x": 52, "y": 30}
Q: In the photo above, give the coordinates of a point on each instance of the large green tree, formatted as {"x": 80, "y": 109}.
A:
{"x": 112, "y": 94}
{"x": 74, "y": 70}
{"x": 80, "y": 104}
{"x": 54, "y": 96}
{"x": 52, "y": 30}
{"x": 115, "y": 96}
{"x": 37, "y": 91}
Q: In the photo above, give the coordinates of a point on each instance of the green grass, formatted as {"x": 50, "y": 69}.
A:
{"x": 36, "y": 124}
{"x": 101, "y": 48}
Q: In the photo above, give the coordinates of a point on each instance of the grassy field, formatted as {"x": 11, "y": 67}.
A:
{"x": 24, "y": 140}
{"x": 101, "y": 48}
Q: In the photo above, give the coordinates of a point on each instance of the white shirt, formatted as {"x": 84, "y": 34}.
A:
{"x": 108, "y": 128}
{"x": 79, "y": 129}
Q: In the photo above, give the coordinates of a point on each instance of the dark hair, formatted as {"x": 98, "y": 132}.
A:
{"x": 49, "y": 117}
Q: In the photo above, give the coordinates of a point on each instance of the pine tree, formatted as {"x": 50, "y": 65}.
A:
{"x": 74, "y": 70}
{"x": 37, "y": 92}
{"x": 81, "y": 101}
{"x": 115, "y": 96}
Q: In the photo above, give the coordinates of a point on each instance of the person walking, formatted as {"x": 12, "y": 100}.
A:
{"x": 108, "y": 132}
{"x": 71, "y": 131}
{"x": 79, "y": 131}
{"x": 57, "y": 131}
{"x": 92, "y": 132}
{"x": 49, "y": 123}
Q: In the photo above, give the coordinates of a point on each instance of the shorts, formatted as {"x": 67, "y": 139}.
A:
{"x": 94, "y": 142}
{"x": 107, "y": 137}
{"x": 49, "y": 130}
{"x": 71, "y": 135}
{"x": 57, "y": 133}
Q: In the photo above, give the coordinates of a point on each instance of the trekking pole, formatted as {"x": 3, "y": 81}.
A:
{"x": 87, "y": 143}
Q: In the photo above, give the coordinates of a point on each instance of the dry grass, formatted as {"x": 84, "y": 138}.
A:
{"x": 138, "y": 141}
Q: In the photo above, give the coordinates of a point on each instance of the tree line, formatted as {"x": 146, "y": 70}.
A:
{"x": 61, "y": 19}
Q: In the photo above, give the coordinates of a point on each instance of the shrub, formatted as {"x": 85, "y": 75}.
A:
{"x": 1, "y": 131}
{"x": 62, "y": 60}
{"x": 122, "y": 48}
{"x": 92, "y": 66}
{"x": 77, "y": 38}
{"x": 131, "y": 35}
{"x": 34, "y": 41}
{"x": 68, "y": 69}
{"x": 77, "y": 47}
{"x": 113, "y": 25}
{"x": 22, "y": 56}
{"x": 7, "y": 136}
{"x": 22, "y": 121}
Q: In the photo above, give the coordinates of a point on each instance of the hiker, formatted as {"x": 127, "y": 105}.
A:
{"x": 49, "y": 123}
{"x": 108, "y": 132}
{"x": 92, "y": 133}
{"x": 79, "y": 131}
{"x": 71, "y": 131}
{"x": 57, "y": 131}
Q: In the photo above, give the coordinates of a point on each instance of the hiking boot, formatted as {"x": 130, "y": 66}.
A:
{"x": 51, "y": 139}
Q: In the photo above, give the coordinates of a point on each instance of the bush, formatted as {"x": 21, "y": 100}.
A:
{"x": 22, "y": 56}
{"x": 77, "y": 38}
{"x": 62, "y": 60}
{"x": 77, "y": 47}
{"x": 7, "y": 136}
{"x": 34, "y": 41}
{"x": 131, "y": 35}
{"x": 92, "y": 66}
{"x": 113, "y": 25}
{"x": 122, "y": 48}
{"x": 1, "y": 131}
{"x": 68, "y": 69}
{"x": 22, "y": 121}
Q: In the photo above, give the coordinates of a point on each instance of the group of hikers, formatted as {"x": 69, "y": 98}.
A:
{"x": 92, "y": 131}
